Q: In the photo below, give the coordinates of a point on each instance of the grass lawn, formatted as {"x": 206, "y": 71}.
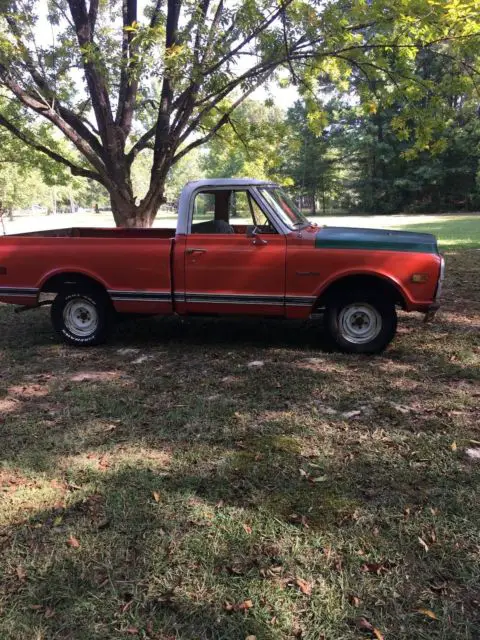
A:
{"x": 453, "y": 231}
{"x": 170, "y": 486}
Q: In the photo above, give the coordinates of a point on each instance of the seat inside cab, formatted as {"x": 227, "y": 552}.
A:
{"x": 227, "y": 211}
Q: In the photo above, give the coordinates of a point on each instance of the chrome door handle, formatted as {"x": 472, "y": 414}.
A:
{"x": 190, "y": 251}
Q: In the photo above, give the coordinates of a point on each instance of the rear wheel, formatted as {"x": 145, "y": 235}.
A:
{"x": 361, "y": 322}
{"x": 82, "y": 318}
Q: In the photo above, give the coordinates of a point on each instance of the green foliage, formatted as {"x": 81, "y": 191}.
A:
{"x": 187, "y": 169}
{"x": 309, "y": 160}
{"x": 248, "y": 146}
{"x": 117, "y": 82}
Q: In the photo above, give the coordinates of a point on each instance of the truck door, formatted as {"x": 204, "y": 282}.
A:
{"x": 234, "y": 257}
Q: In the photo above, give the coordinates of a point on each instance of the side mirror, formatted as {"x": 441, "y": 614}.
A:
{"x": 253, "y": 232}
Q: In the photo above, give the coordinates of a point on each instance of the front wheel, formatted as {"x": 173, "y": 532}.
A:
{"x": 82, "y": 318}
{"x": 361, "y": 323}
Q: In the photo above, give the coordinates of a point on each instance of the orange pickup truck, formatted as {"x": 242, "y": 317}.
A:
{"x": 241, "y": 247}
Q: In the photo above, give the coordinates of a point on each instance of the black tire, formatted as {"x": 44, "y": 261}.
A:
{"x": 377, "y": 316}
{"x": 70, "y": 306}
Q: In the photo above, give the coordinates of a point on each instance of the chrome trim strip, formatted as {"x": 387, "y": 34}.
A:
{"x": 211, "y": 298}
{"x": 142, "y": 299}
{"x": 140, "y": 295}
{"x": 18, "y": 291}
{"x": 234, "y": 301}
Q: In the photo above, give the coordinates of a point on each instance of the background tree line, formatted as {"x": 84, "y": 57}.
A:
{"x": 133, "y": 96}
{"x": 354, "y": 160}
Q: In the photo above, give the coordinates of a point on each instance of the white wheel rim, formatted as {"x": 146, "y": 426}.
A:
{"x": 359, "y": 323}
{"x": 80, "y": 317}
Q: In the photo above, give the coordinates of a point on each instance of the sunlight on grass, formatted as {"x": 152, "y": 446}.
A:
{"x": 451, "y": 231}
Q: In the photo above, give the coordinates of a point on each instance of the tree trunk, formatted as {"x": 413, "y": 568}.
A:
{"x": 127, "y": 213}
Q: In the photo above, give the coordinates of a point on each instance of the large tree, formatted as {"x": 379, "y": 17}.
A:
{"x": 116, "y": 83}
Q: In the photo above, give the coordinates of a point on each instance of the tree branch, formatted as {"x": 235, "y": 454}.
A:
{"x": 46, "y": 111}
{"x": 212, "y": 32}
{"x": 162, "y": 129}
{"x": 84, "y": 27}
{"x": 256, "y": 32}
{"x": 223, "y": 120}
{"x": 75, "y": 169}
{"x": 141, "y": 144}
{"x": 128, "y": 83}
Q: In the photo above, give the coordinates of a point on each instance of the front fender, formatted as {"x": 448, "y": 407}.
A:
{"x": 352, "y": 272}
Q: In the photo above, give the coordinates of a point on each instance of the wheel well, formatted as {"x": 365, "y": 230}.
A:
{"x": 384, "y": 287}
{"x": 67, "y": 280}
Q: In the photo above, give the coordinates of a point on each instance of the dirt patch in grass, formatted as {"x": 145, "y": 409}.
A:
{"x": 162, "y": 486}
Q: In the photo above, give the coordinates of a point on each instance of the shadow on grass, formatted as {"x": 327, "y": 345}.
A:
{"x": 191, "y": 477}
{"x": 220, "y": 537}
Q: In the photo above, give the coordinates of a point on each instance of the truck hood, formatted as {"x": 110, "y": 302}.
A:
{"x": 375, "y": 240}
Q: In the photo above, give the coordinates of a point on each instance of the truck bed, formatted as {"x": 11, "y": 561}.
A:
{"x": 132, "y": 265}
{"x": 97, "y": 232}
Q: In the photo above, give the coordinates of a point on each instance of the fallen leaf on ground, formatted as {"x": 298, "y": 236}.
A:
{"x": 374, "y": 567}
{"x": 247, "y": 529}
{"x": 473, "y": 454}
{"x": 241, "y": 606}
{"x": 318, "y": 479}
{"x": 428, "y": 613}
{"x": 304, "y": 586}
{"x": 295, "y": 518}
{"x": 354, "y": 600}
{"x": 351, "y": 414}
{"x": 156, "y": 496}
{"x": 73, "y": 542}
{"x": 133, "y": 631}
{"x": 21, "y": 573}
{"x": 423, "y": 543}
{"x": 103, "y": 463}
{"x": 365, "y": 625}
{"x": 401, "y": 408}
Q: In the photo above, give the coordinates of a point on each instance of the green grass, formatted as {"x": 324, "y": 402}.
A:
{"x": 453, "y": 231}
{"x": 197, "y": 485}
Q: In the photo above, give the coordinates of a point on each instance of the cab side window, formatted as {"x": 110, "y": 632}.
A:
{"x": 227, "y": 211}
{"x": 210, "y": 212}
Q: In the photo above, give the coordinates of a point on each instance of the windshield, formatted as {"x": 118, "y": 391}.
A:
{"x": 284, "y": 207}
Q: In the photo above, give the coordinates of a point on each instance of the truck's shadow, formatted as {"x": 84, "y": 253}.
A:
{"x": 222, "y": 332}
